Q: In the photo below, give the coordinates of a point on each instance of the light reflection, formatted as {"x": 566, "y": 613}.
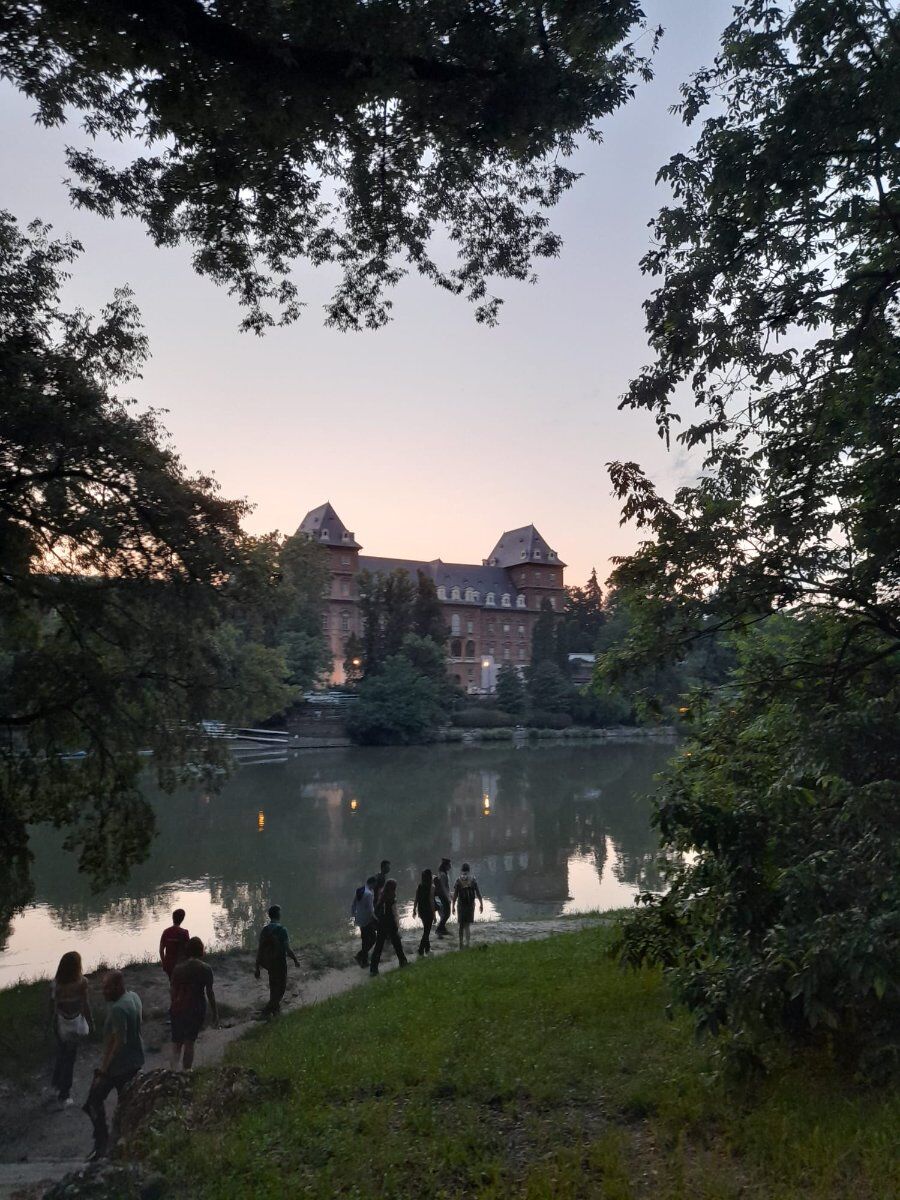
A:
{"x": 354, "y": 805}
{"x": 260, "y": 820}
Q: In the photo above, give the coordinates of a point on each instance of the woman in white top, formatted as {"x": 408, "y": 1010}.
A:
{"x": 72, "y": 1020}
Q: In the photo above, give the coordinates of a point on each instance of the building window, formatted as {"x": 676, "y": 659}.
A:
{"x": 456, "y": 649}
{"x": 490, "y": 627}
{"x": 470, "y": 595}
{"x": 470, "y": 649}
{"x": 489, "y": 599}
{"x": 505, "y": 601}
{"x": 553, "y": 602}
{"x": 521, "y": 630}
{"x": 476, "y": 597}
{"x": 537, "y": 577}
{"x": 506, "y": 652}
{"x": 537, "y": 554}
{"x": 551, "y": 554}
{"x": 521, "y": 652}
{"x": 345, "y": 588}
{"x": 442, "y": 593}
{"x": 345, "y": 622}
{"x": 470, "y": 627}
{"x": 506, "y": 628}
{"x": 345, "y": 560}
{"x": 551, "y": 579}
{"x": 325, "y": 621}
{"x": 490, "y": 650}
{"x": 454, "y": 624}
{"x": 520, "y": 601}
{"x": 454, "y": 593}
{"x": 523, "y": 554}
{"x": 324, "y": 535}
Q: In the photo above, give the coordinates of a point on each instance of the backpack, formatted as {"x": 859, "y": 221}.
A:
{"x": 271, "y": 951}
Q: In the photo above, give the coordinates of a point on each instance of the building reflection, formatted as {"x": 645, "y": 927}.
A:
{"x": 303, "y": 833}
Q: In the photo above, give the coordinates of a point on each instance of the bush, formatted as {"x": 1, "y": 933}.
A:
{"x": 395, "y": 707}
{"x": 483, "y": 718}
{"x": 548, "y": 720}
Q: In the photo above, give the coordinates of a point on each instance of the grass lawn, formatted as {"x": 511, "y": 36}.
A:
{"x": 529, "y": 1071}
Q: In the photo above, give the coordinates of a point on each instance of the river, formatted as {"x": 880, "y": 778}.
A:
{"x": 547, "y": 829}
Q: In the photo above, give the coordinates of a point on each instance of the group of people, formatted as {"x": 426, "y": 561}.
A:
{"x": 374, "y": 910}
{"x": 191, "y": 982}
{"x": 122, "y": 1055}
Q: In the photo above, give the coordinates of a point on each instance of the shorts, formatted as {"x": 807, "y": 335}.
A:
{"x": 186, "y": 1025}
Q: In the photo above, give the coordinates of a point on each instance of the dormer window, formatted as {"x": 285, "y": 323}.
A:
{"x": 470, "y": 595}
{"x": 494, "y": 561}
{"x": 442, "y": 593}
{"x": 324, "y": 535}
{"x": 537, "y": 554}
{"x": 523, "y": 554}
{"x": 454, "y": 594}
{"x": 551, "y": 554}
{"x": 505, "y": 600}
{"x": 489, "y": 599}
{"x": 520, "y": 601}
{"x": 476, "y": 597}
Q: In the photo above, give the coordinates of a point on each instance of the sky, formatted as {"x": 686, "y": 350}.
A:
{"x": 434, "y": 435}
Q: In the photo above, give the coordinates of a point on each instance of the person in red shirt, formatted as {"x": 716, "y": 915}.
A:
{"x": 173, "y": 943}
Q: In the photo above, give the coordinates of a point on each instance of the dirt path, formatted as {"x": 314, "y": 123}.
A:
{"x": 40, "y": 1142}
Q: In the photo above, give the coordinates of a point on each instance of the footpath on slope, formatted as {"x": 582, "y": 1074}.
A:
{"x": 41, "y": 1142}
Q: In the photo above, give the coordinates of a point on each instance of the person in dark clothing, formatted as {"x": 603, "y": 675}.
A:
{"x": 423, "y": 906}
{"x": 388, "y": 926}
{"x": 72, "y": 1021}
{"x": 123, "y": 1055}
{"x": 271, "y": 955}
{"x": 465, "y": 893}
{"x": 442, "y": 896}
{"x": 192, "y": 986}
{"x": 363, "y": 913}
{"x": 173, "y": 943}
{"x": 381, "y": 878}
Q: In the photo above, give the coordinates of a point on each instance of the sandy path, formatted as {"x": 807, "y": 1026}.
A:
{"x": 39, "y": 1142}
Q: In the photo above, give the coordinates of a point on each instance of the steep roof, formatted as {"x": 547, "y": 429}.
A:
{"x": 522, "y": 545}
{"x": 326, "y": 526}
{"x": 482, "y": 578}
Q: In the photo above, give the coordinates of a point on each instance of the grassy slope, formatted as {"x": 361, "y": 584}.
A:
{"x": 532, "y": 1071}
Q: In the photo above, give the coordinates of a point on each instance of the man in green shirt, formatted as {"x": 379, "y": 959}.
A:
{"x": 123, "y": 1055}
{"x": 272, "y": 954}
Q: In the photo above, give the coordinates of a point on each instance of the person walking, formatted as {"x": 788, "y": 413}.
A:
{"x": 381, "y": 878}
{"x": 465, "y": 893}
{"x": 423, "y": 905}
{"x": 192, "y": 986}
{"x": 388, "y": 926}
{"x": 72, "y": 1021}
{"x": 123, "y": 1055}
{"x": 363, "y": 912}
{"x": 173, "y": 943}
{"x": 272, "y": 953}
{"x": 442, "y": 896}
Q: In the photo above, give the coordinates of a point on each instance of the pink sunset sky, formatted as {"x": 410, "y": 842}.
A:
{"x": 432, "y": 436}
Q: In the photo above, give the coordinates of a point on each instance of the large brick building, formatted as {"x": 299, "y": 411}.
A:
{"x": 491, "y": 606}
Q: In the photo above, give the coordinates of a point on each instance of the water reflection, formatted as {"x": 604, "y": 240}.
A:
{"x": 546, "y": 829}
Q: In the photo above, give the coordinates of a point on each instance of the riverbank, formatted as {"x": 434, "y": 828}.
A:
{"x": 537, "y": 1071}
{"x": 41, "y": 1141}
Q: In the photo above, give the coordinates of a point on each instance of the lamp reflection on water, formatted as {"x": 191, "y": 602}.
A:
{"x": 260, "y": 820}
{"x": 354, "y": 805}
{"x": 486, "y": 804}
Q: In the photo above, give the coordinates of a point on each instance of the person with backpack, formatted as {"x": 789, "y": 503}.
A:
{"x": 465, "y": 893}
{"x": 363, "y": 912}
{"x": 388, "y": 926}
{"x": 442, "y": 896}
{"x": 272, "y": 953}
{"x": 423, "y": 905}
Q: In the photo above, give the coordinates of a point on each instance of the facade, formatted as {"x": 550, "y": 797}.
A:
{"x": 491, "y": 607}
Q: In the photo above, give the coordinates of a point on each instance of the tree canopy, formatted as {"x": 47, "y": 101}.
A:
{"x": 346, "y": 133}
{"x": 124, "y": 580}
{"x": 778, "y": 314}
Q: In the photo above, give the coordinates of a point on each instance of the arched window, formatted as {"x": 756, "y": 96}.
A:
{"x": 442, "y": 593}
{"x": 520, "y": 601}
{"x": 454, "y": 593}
{"x": 489, "y": 599}
{"x": 454, "y": 624}
{"x": 505, "y": 600}
{"x": 456, "y": 649}
{"x": 470, "y": 649}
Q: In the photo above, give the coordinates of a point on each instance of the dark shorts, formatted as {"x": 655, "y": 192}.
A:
{"x": 186, "y": 1026}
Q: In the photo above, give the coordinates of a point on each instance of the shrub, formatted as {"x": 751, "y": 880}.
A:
{"x": 483, "y": 718}
{"x": 548, "y": 720}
